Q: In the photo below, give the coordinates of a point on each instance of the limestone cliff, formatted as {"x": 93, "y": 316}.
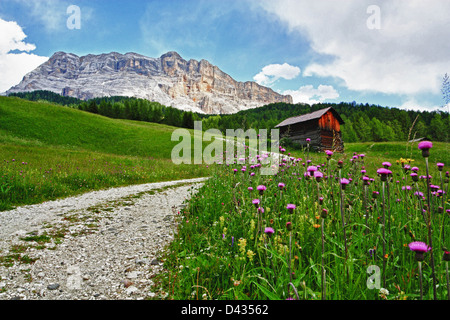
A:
{"x": 170, "y": 80}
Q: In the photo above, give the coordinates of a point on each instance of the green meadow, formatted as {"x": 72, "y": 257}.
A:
{"x": 233, "y": 241}
{"x": 48, "y": 151}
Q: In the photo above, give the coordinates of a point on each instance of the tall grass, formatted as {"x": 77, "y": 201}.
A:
{"x": 30, "y": 175}
{"x": 220, "y": 253}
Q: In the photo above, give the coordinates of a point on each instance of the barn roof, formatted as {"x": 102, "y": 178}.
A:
{"x": 309, "y": 116}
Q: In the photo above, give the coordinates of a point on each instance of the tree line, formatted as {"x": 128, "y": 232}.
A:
{"x": 119, "y": 107}
{"x": 363, "y": 122}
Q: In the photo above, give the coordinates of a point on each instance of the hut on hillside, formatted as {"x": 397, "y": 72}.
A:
{"x": 323, "y": 127}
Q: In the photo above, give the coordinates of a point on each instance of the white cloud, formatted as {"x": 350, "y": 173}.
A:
{"x": 272, "y": 72}
{"x": 408, "y": 54}
{"x": 310, "y": 95}
{"x": 14, "y": 66}
{"x": 415, "y": 105}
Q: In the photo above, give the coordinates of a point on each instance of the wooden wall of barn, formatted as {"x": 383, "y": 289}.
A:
{"x": 324, "y": 133}
{"x": 329, "y": 122}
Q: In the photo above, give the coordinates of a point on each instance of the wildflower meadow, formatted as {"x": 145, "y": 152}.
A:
{"x": 324, "y": 227}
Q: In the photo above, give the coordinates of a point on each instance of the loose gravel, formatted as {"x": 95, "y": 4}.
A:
{"x": 102, "y": 245}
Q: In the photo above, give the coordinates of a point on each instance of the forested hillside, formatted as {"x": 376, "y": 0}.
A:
{"x": 363, "y": 122}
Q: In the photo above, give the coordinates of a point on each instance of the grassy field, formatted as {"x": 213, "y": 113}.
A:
{"x": 336, "y": 244}
{"x": 234, "y": 242}
{"x": 49, "y": 151}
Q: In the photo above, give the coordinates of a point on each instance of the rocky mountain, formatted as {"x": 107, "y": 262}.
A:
{"x": 170, "y": 80}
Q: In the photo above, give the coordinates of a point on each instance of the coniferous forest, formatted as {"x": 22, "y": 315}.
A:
{"x": 363, "y": 122}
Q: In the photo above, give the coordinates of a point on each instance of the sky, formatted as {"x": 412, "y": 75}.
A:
{"x": 392, "y": 53}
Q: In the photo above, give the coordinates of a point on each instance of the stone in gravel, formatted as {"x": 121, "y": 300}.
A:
{"x": 141, "y": 261}
{"x": 131, "y": 290}
{"x": 53, "y": 286}
{"x": 133, "y": 274}
{"x": 154, "y": 262}
{"x": 127, "y": 283}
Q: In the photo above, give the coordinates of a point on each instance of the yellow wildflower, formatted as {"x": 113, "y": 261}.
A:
{"x": 242, "y": 244}
{"x": 250, "y": 255}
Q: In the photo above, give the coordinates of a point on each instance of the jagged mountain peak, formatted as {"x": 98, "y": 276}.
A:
{"x": 170, "y": 80}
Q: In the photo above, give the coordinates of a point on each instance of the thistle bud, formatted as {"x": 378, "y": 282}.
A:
{"x": 289, "y": 226}
{"x": 446, "y": 256}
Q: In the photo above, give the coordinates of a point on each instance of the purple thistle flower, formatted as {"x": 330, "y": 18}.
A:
{"x": 290, "y": 207}
{"x": 344, "y": 183}
{"x": 269, "y": 231}
{"x": 418, "y": 246}
{"x": 281, "y": 186}
{"x": 318, "y": 175}
{"x": 261, "y": 189}
{"x": 386, "y": 164}
{"x": 384, "y": 173}
{"x": 440, "y": 166}
{"x": 425, "y": 145}
{"x": 256, "y": 202}
{"x": 311, "y": 169}
{"x": 366, "y": 180}
{"x": 418, "y": 193}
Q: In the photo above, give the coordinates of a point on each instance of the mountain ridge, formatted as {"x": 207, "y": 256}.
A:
{"x": 188, "y": 85}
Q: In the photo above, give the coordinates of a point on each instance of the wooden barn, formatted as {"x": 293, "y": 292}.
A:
{"x": 323, "y": 127}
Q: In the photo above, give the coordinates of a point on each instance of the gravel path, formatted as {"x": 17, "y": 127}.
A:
{"x": 100, "y": 245}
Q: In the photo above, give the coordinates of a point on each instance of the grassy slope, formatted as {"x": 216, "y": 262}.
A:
{"x": 68, "y": 151}
{"x": 54, "y": 125}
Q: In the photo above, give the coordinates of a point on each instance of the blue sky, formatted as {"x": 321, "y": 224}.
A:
{"x": 392, "y": 53}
